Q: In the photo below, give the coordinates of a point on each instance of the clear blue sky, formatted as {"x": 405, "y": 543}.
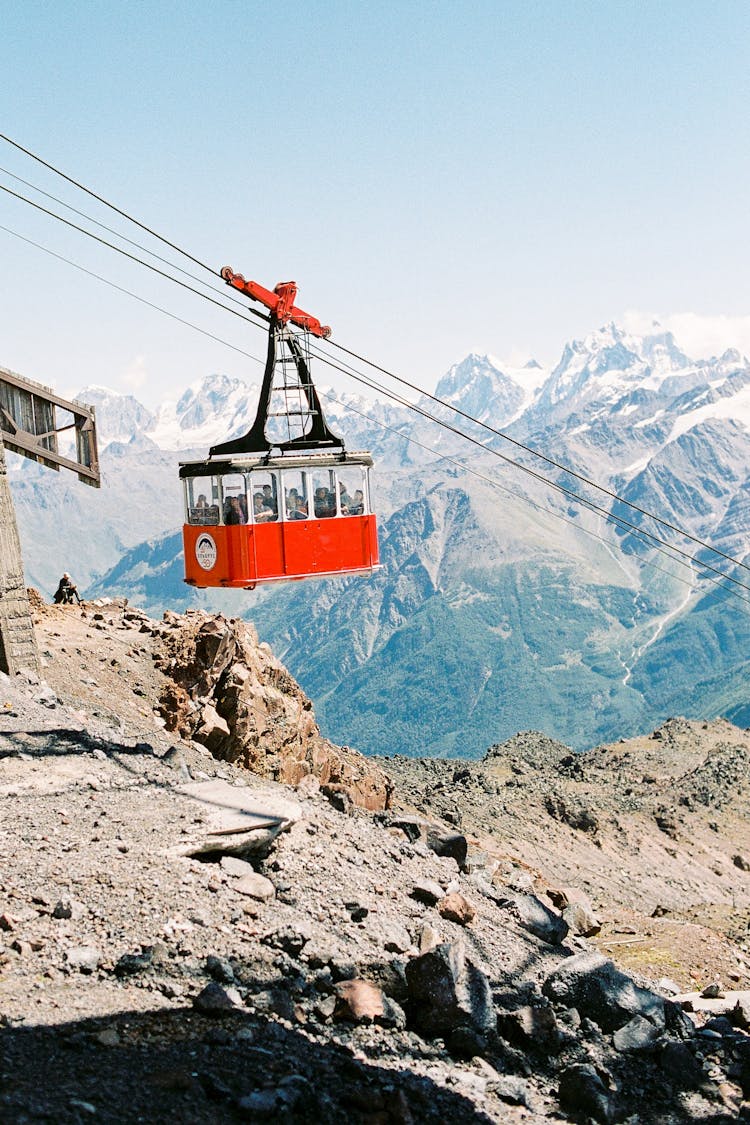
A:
{"x": 437, "y": 177}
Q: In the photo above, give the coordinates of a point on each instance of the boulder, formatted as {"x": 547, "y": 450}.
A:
{"x": 358, "y": 1001}
{"x": 361, "y": 1001}
{"x": 581, "y": 919}
{"x": 740, "y": 1013}
{"x": 228, "y": 692}
{"x": 451, "y": 844}
{"x": 237, "y": 867}
{"x": 428, "y": 938}
{"x": 255, "y": 886}
{"x": 582, "y": 1091}
{"x": 413, "y": 827}
{"x": 531, "y": 1025}
{"x": 680, "y": 1065}
{"x": 84, "y": 958}
{"x": 638, "y": 1035}
{"x": 477, "y": 860}
{"x": 394, "y": 936}
{"x": 457, "y": 909}
{"x": 447, "y": 991}
{"x": 427, "y": 891}
{"x": 593, "y": 985}
{"x": 212, "y": 729}
{"x": 538, "y": 919}
{"x": 214, "y": 1000}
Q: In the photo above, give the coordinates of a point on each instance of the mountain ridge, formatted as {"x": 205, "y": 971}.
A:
{"x": 562, "y": 608}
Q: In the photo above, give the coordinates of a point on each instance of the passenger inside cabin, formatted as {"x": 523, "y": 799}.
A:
{"x": 261, "y": 513}
{"x": 233, "y": 513}
{"x": 357, "y": 505}
{"x": 269, "y": 500}
{"x": 345, "y": 500}
{"x": 325, "y": 504}
{"x": 296, "y": 509}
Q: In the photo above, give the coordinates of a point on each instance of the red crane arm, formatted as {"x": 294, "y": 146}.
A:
{"x": 280, "y": 302}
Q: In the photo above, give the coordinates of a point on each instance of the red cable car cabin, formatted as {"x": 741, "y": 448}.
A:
{"x": 261, "y": 509}
{"x": 252, "y": 520}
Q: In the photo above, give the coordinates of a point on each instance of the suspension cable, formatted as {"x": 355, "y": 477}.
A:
{"x": 623, "y": 523}
{"x": 223, "y": 291}
{"x": 130, "y": 293}
{"x": 460, "y": 464}
{"x": 405, "y": 402}
{"x": 543, "y": 457}
{"x": 134, "y": 258}
{"x": 106, "y": 202}
{"x": 663, "y": 546}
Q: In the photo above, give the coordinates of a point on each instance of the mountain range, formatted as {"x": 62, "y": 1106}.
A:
{"x": 507, "y": 599}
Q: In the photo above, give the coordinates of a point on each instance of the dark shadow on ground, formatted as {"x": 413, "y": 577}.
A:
{"x": 54, "y": 742}
{"x": 176, "y": 1065}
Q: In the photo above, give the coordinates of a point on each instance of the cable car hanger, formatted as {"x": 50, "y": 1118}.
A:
{"x": 284, "y": 349}
{"x": 283, "y": 501}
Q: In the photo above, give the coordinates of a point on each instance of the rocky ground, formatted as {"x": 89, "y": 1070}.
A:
{"x": 183, "y": 938}
{"x": 656, "y": 830}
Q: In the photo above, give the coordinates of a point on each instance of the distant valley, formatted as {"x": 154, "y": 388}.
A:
{"x": 502, "y": 604}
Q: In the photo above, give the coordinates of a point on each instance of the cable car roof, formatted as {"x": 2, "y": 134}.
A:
{"x": 217, "y": 466}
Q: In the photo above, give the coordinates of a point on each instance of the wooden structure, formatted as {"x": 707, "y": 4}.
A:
{"x": 33, "y": 419}
{"x": 60, "y": 434}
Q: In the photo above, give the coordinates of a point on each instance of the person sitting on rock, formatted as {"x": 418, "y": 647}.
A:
{"x": 67, "y": 591}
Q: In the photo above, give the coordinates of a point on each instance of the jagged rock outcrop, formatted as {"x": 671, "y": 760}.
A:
{"x": 229, "y": 693}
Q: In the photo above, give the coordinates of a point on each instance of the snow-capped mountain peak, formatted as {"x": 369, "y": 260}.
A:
{"x": 489, "y": 389}
{"x": 118, "y": 416}
{"x": 210, "y": 410}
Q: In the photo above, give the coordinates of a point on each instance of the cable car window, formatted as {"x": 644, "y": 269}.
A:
{"x": 201, "y": 497}
{"x": 324, "y": 493}
{"x": 296, "y": 505}
{"x": 234, "y": 498}
{"x": 351, "y": 489}
{"x": 265, "y": 497}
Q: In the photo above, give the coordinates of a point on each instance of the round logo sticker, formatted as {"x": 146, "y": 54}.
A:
{"x": 205, "y": 551}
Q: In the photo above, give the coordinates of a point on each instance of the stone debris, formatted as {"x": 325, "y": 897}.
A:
{"x": 456, "y": 908}
{"x": 214, "y": 1000}
{"x": 582, "y": 1090}
{"x": 83, "y": 958}
{"x": 581, "y": 919}
{"x": 447, "y": 990}
{"x": 235, "y": 947}
{"x": 536, "y": 917}
{"x": 591, "y": 983}
{"x": 427, "y": 891}
{"x": 255, "y": 886}
{"x": 359, "y": 1001}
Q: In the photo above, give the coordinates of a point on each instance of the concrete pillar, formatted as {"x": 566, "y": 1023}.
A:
{"x": 17, "y": 641}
